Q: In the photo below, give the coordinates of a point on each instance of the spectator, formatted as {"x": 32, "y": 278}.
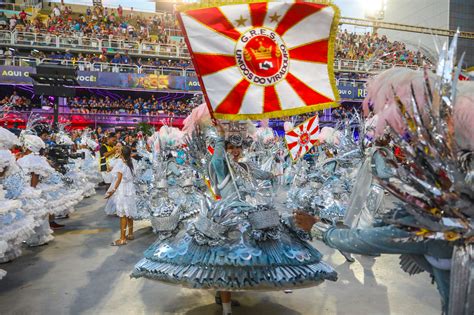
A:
{"x": 9, "y": 56}
{"x": 120, "y": 12}
{"x": 23, "y": 15}
{"x": 13, "y": 22}
{"x": 68, "y": 55}
{"x": 56, "y": 11}
{"x": 129, "y": 106}
{"x": 364, "y": 47}
{"x": 4, "y": 21}
{"x": 115, "y": 61}
{"x": 126, "y": 59}
{"x": 14, "y": 98}
{"x": 97, "y": 23}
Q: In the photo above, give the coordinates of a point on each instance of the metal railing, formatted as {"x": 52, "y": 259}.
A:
{"x": 95, "y": 119}
{"x": 95, "y": 45}
{"x": 35, "y": 4}
{"x": 344, "y": 65}
{"x": 404, "y": 27}
{"x": 173, "y": 32}
{"x": 80, "y": 43}
{"x": 384, "y": 25}
{"x": 340, "y": 65}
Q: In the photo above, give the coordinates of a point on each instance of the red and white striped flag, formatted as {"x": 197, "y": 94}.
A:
{"x": 302, "y": 138}
{"x": 263, "y": 60}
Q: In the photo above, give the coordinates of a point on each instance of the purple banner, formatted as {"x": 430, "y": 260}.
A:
{"x": 351, "y": 92}
{"x": 192, "y": 84}
{"x": 11, "y": 74}
{"x": 21, "y": 75}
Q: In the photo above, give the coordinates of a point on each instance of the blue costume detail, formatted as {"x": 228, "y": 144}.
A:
{"x": 237, "y": 243}
{"x": 387, "y": 240}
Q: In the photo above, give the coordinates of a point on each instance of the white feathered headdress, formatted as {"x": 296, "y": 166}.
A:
{"x": 33, "y": 143}
{"x": 7, "y": 139}
{"x": 167, "y": 138}
{"x": 264, "y": 134}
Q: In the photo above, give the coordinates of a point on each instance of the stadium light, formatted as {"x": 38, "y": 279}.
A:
{"x": 374, "y": 9}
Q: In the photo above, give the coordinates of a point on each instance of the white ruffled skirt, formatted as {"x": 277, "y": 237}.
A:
{"x": 42, "y": 233}
{"x": 16, "y": 226}
{"x": 123, "y": 202}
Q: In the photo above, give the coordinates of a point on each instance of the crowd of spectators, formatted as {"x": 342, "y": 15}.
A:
{"x": 349, "y": 46}
{"x": 17, "y": 102}
{"x": 130, "y": 106}
{"x": 371, "y": 46}
{"x": 97, "y": 22}
{"x": 105, "y": 105}
{"x": 108, "y": 23}
{"x": 146, "y": 107}
{"x": 103, "y": 61}
{"x": 85, "y": 61}
{"x": 344, "y": 111}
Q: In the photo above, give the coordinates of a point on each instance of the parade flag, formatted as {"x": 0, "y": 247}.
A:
{"x": 263, "y": 59}
{"x": 210, "y": 149}
{"x": 303, "y": 137}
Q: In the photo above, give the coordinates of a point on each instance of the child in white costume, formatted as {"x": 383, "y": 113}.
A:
{"x": 122, "y": 196}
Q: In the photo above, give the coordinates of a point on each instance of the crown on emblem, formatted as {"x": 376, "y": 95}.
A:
{"x": 260, "y": 53}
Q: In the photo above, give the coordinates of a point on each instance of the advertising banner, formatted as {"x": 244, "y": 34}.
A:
{"x": 21, "y": 75}
{"x": 350, "y": 92}
{"x": 12, "y": 74}
{"x": 192, "y": 84}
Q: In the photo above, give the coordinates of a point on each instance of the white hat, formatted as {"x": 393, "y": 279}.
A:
{"x": 33, "y": 143}
{"x": 7, "y": 139}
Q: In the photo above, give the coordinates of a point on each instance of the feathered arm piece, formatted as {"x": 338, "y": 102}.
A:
{"x": 431, "y": 180}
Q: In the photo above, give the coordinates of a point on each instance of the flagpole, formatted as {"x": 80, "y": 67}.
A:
{"x": 196, "y": 68}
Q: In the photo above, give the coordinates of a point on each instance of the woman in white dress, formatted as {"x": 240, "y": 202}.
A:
{"x": 122, "y": 196}
{"x": 37, "y": 170}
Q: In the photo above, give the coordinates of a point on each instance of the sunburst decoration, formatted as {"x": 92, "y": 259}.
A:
{"x": 263, "y": 60}
{"x": 303, "y": 137}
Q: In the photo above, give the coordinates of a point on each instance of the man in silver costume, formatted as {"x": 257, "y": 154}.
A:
{"x": 221, "y": 169}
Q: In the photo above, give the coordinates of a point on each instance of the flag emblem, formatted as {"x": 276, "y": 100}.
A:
{"x": 262, "y": 57}
{"x": 263, "y": 60}
{"x": 303, "y": 137}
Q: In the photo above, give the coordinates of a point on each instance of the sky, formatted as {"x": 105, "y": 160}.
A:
{"x": 351, "y": 8}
